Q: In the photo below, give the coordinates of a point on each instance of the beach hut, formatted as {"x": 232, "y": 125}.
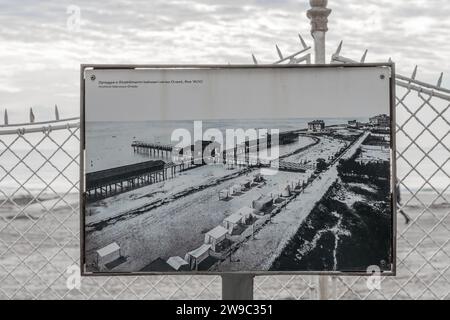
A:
{"x": 224, "y": 194}
{"x": 246, "y": 212}
{"x": 286, "y": 192}
{"x": 275, "y": 194}
{"x": 178, "y": 263}
{"x": 262, "y": 203}
{"x": 294, "y": 184}
{"x": 258, "y": 178}
{"x": 215, "y": 236}
{"x": 246, "y": 184}
{"x": 298, "y": 186}
{"x": 108, "y": 254}
{"x": 235, "y": 189}
{"x": 196, "y": 256}
{"x": 232, "y": 221}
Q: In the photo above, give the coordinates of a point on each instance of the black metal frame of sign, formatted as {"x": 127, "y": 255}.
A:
{"x": 236, "y": 285}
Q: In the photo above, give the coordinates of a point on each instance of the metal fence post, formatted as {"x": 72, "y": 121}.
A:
{"x": 318, "y": 14}
{"x": 237, "y": 286}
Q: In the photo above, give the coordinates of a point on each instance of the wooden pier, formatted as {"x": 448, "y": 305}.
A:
{"x": 165, "y": 150}
{"x": 152, "y": 149}
{"x": 106, "y": 183}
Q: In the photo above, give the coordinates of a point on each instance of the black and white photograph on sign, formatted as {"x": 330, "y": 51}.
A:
{"x": 259, "y": 169}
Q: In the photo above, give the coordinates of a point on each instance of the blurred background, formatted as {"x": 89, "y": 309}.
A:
{"x": 43, "y": 44}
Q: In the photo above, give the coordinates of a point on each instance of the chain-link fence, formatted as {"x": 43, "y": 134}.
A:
{"x": 39, "y": 215}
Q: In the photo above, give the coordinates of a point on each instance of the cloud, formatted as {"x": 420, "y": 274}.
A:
{"x": 41, "y": 56}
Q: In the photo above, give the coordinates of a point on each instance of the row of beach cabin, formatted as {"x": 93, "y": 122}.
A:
{"x": 236, "y": 189}
{"x": 215, "y": 237}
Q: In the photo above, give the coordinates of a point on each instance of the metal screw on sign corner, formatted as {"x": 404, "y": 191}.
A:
{"x": 93, "y": 77}
{"x": 382, "y": 76}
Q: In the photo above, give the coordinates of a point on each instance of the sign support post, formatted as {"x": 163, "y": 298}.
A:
{"x": 240, "y": 286}
{"x": 237, "y": 286}
{"x": 318, "y": 14}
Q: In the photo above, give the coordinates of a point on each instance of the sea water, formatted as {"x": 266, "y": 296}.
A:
{"x": 108, "y": 144}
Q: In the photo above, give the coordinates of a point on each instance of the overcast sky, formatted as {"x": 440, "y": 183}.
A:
{"x": 41, "y": 55}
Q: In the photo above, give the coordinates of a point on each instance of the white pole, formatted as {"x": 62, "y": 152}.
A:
{"x": 318, "y": 14}
{"x": 323, "y": 287}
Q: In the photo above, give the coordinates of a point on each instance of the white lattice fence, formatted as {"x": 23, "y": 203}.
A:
{"x": 423, "y": 258}
{"x": 39, "y": 215}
